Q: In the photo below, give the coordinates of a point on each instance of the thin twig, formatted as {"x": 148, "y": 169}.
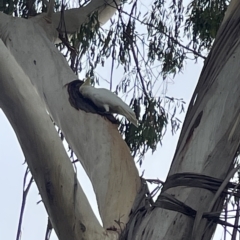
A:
{"x": 164, "y": 33}
{"x": 139, "y": 71}
{"x": 234, "y": 233}
{"x": 24, "y": 197}
{"x": 49, "y": 230}
{"x": 225, "y": 227}
{"x": 112, "y": 67}
{"x": 127, "y": 34}
{"x": 156, "y": 181}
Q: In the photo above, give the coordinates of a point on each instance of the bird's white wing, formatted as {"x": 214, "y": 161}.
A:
{"x": 98, "y": 97}
{"x": 102, "y": 97}
{"x": 116, "y": 104}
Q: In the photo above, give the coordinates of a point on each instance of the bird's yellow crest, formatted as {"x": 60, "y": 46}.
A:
{"x": 87, "y": 81}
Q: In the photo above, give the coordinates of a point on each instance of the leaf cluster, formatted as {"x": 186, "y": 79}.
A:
{"x": 149, "y": 45}
{"x": 203, "y": 20}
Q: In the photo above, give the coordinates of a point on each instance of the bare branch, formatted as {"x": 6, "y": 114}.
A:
{"x": 48, "y": 230}
{"x": 75, "y": 17}
{"x": 24, "y": 198}
{"x": 165, "y": 34}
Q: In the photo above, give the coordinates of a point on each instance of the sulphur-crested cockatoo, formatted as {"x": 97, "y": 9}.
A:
{"x": 106, "y": 99}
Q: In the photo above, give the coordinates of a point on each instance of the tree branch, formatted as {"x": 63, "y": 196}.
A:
{"x": 45, "y": 155}
{"x": 96, "y": 142}
{"x": 75, "y": 17}
{"x": 24, "y": 197}
{"x": 165, "y": 34}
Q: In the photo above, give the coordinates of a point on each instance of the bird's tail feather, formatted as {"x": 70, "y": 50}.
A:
{"x": 130, "y": 115}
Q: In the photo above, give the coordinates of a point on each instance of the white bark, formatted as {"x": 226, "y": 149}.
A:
{"x": 96, "y": 142}
{"x": 75, "y": 17}
{"x": 64, "y": 199}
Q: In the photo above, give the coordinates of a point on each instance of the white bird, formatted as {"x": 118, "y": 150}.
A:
{"x": 106, "y": 99}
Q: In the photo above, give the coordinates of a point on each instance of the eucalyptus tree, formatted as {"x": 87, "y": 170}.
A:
{"x": 34, "y": 92}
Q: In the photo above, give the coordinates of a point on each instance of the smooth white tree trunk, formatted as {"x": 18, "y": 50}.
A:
{"x": 96, "y": 142}
{"x": 208, "y": 141}
{"x": 64, "y": 199}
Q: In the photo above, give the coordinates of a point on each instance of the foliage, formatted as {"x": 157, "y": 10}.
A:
{"x": 24, "y": 8}
{"x": 147, "y": 43}
{"x": 203, "y": 20}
